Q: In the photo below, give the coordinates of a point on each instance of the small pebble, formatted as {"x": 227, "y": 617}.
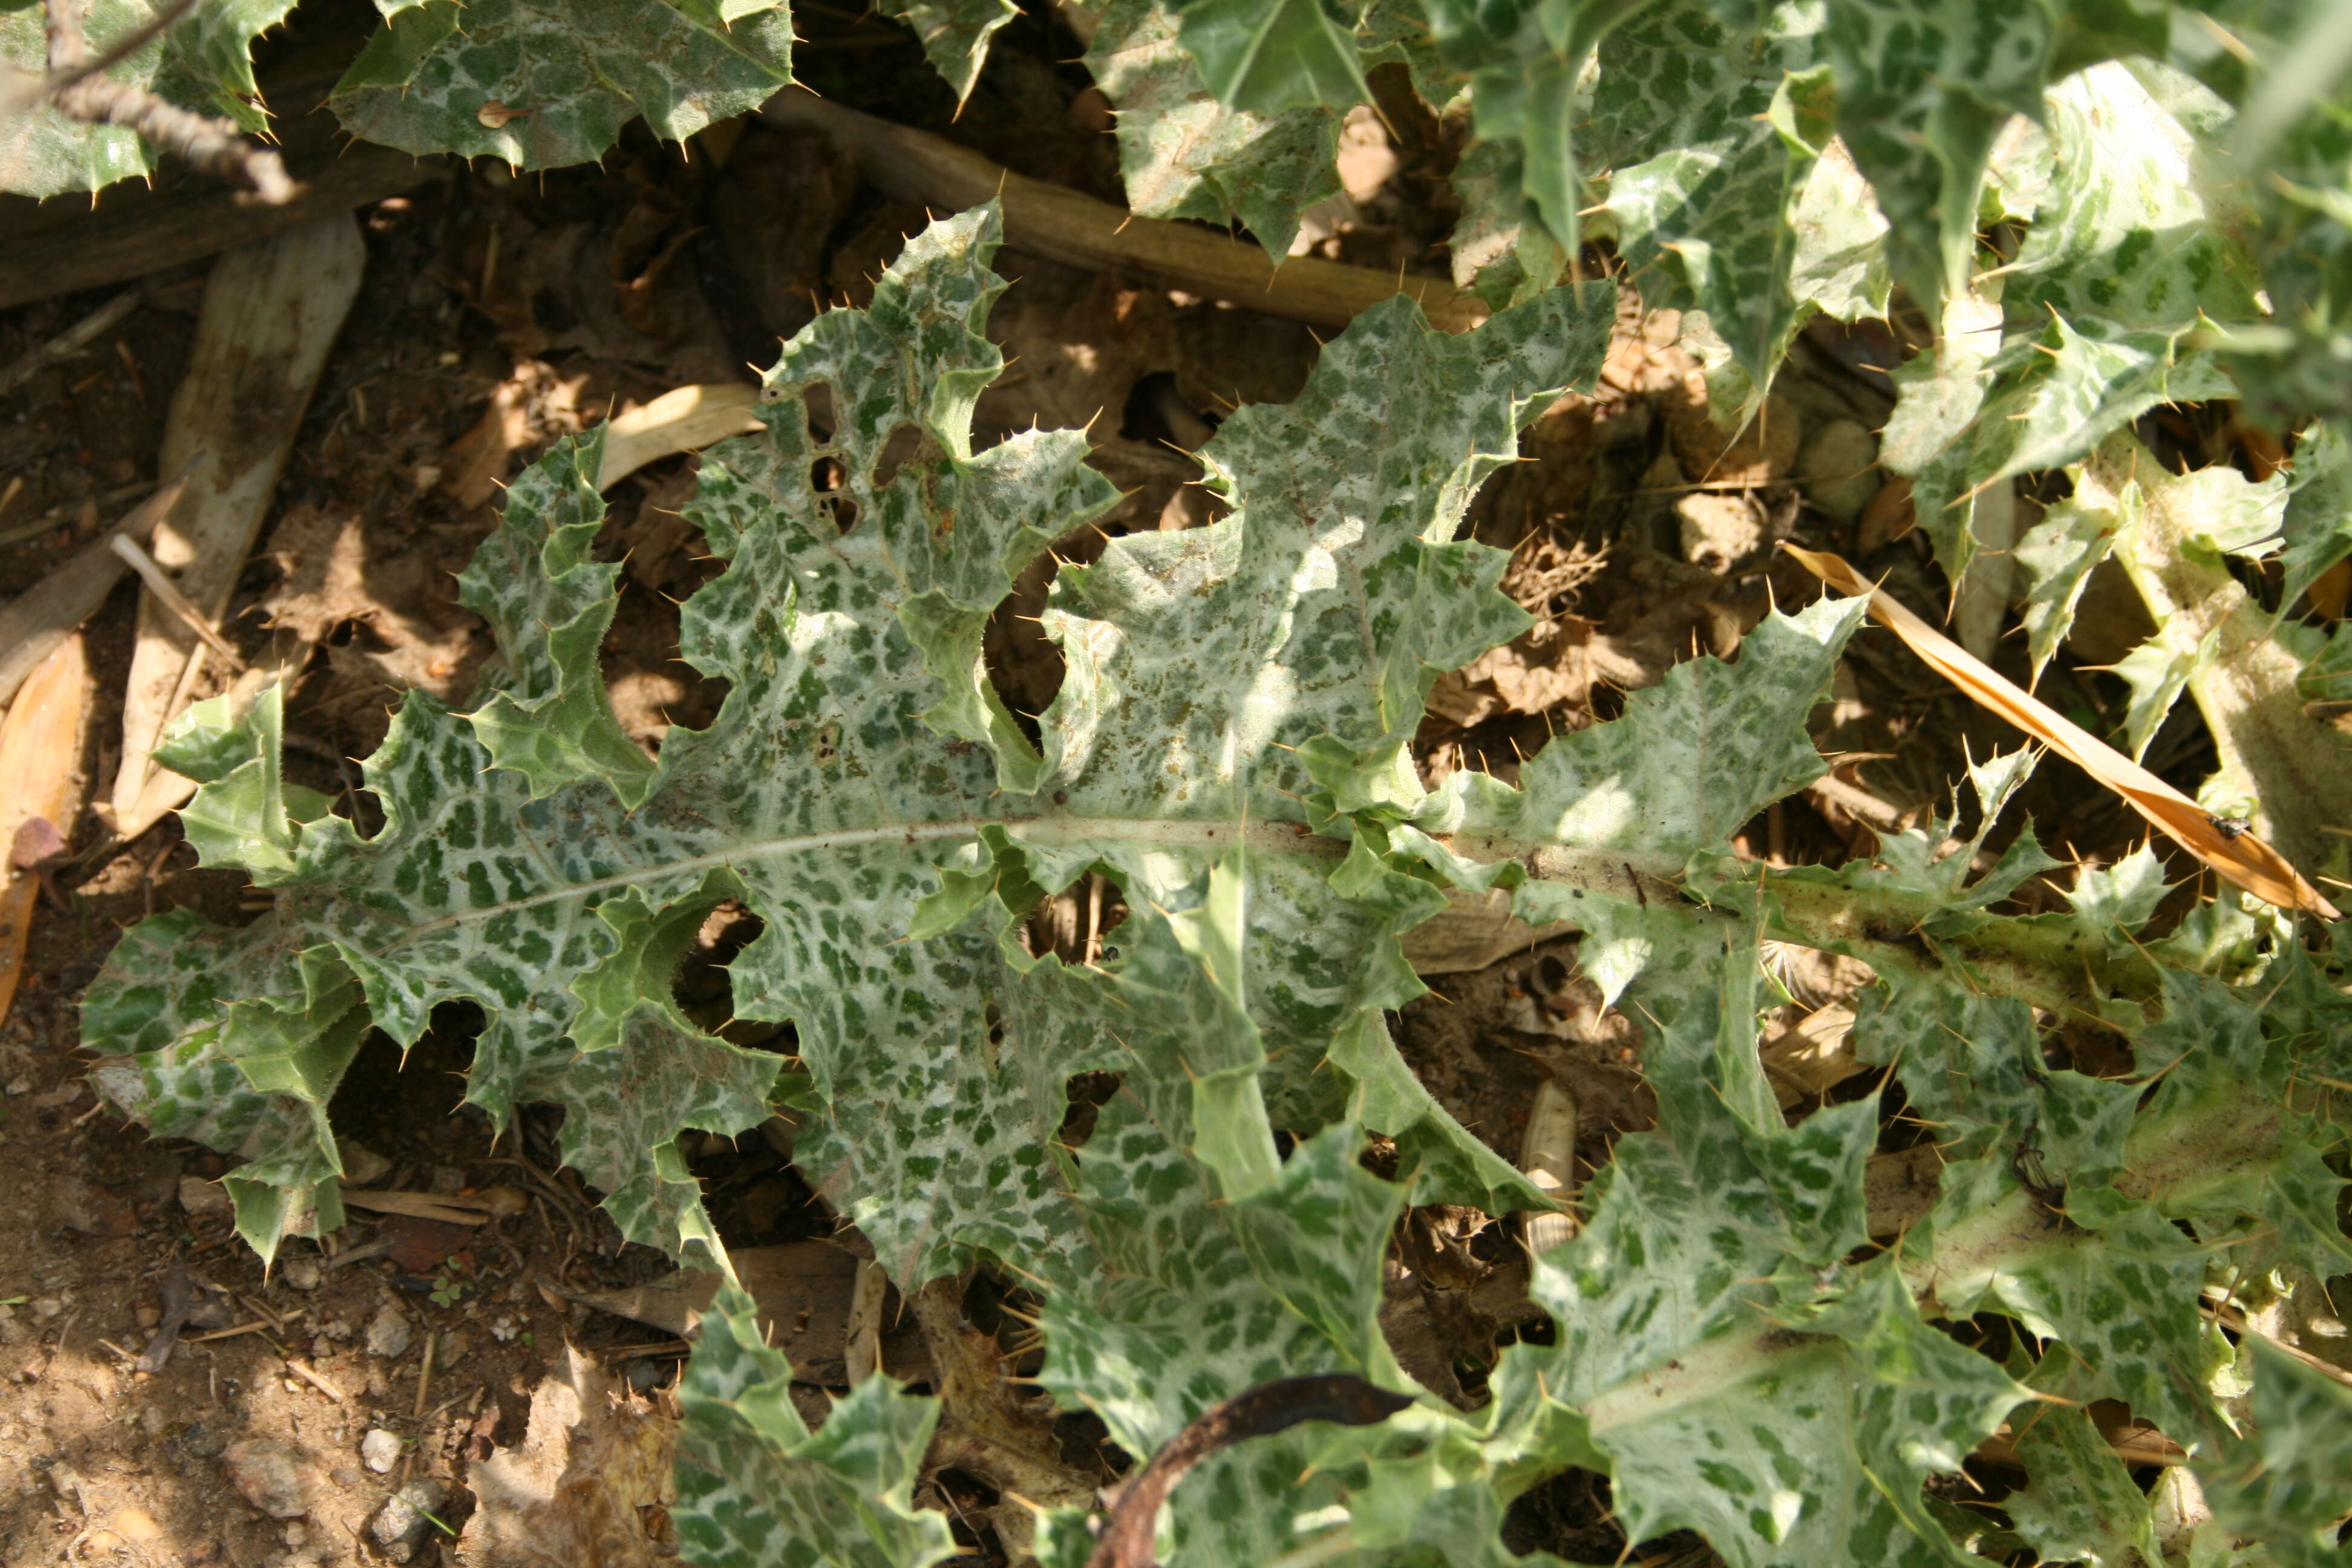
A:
{"x": 202, "y": 1198}
{"x": 270, "y": 1476}
{"x": 298, "y": 1535}
{"x": 388, "y": 1334}
{"x": 301, "y": 1273}
{"x": 399, "y": 1528}
{"x": 363, "y": 1166}
{"x": 380, "y": 1450}
{"x": 46, "y": 1307}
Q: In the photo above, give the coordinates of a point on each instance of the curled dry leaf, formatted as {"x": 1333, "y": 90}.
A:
{"x": 2241, "y": 857}
{"x": 676, "y": 421}
{"x": 40, "y": 744}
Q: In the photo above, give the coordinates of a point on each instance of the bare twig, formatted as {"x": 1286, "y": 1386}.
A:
{"x": 167, "y": 593}
{"x": 123, "y": 48}
{"x": 216, "y": 147}
{"x": 71, "y": 341}
{"x": 254, "y": 1327}
{"x": 1062, "y": 225}
{"x": 1341, "y": 1398}
{"x": 302, "y": 1369}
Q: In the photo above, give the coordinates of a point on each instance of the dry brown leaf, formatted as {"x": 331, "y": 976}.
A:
{"x": 588, "y": 1487}
{"x": 2246, "y": 859}
{"x": 678, "y": 421}
{"x": 40, "y": 751}
{"x": 1473, "y": 931}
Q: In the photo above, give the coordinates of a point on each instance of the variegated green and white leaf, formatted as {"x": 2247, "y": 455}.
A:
{"x": 1184, "y": 155}
{"x": 755, "y": 1485}
{"x": 203, "y": 62}
{"x": 543, "y": 83}
{"x": 1713, "y": 138}
{"x": 1267, "y": 55}
{"x": 2058, "y": 555}
{"x": 1923, "y": 87}
{"x": 2124, "y": 263}
{"x": 955, "y": 34}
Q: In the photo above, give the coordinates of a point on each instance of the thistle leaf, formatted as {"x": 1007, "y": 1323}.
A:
{"x": 1701, "y": 128}
{"x": 955, "y": 34}
{"x": 203, "y": 62}
{"x": 1267, "y": 55}
{"x": 1923, "y": 87}
{"x": 756, "y": 1485}
{"x": 1181, "y": 154}
{"x": 539, "y": 84}
{"x": 2059, "y": 554}
{"x": 2318, "y": 522}
{"x": 2082, "y": 1504}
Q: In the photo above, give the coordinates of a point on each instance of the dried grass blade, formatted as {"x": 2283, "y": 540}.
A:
{"x": 2244, "y": 860}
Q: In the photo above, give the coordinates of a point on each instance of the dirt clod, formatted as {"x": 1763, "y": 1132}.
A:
{"x": 269, "y": 1475}
{"x": 388, "y": 1334}
{"x": 84, "y": 1207}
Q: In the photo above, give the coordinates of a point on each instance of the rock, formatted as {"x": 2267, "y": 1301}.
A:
{"x": 301, "y": 1273}
{"x": 46, "y": 1307}
{"x": 400, "y": 1525}
{"x": 298, "y": 1535}
{"x": 1838, "y": 468}
{"x": 363, "y": 1166}
{"x": 1718, "y": 528}
{"x": 380, "y": 1450}
{"x": 205, "y": 1199}
{"x": 270, "y": 1476}
{"x": 89, "y": 1209}
{"x": 388, "y": 1334}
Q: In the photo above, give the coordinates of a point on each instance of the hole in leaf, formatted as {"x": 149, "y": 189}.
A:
{"x": 816, "y": 409}
{"x": 1572, "y": 1515}
{"x": 703, "y": 987}
{"x": 1076, "y": 923}
{"x": 1025, "y": 666}
{"x": 1156, "y": 413}
{"x": 966, "y": 1499}
{"x": 1090, "y": 1092}
{"x": 907, "y": 444}
{"x": 826, "y": 476}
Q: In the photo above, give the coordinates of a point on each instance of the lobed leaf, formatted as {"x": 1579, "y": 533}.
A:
{"x": 201, "y": 62}
{"x": 1182, "y": 154}
{"x": 543, "y": 83}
